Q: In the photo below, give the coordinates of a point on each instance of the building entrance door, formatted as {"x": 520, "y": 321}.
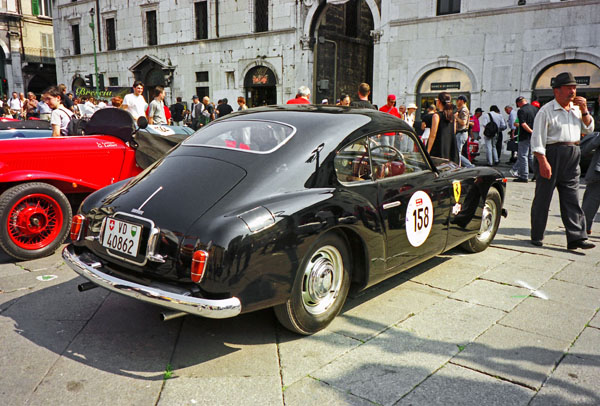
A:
{"x": 261, "y": 87}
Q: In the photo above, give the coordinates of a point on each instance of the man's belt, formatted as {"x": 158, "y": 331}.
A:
{"x": 567, "y": 143}
{"x": 464, "y": 130}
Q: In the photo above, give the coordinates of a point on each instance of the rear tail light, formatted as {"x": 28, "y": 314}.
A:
{"x": 199, "y": 260}
{"x": 77, "y": 227}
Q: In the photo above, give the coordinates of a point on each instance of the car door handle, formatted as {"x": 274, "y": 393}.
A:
{"x": 392, "y": 204}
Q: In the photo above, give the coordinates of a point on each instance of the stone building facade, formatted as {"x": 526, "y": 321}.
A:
{"x": 26, "y": 46}
{"x": 265, "y": 49}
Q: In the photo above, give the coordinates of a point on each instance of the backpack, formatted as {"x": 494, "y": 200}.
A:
{"x": 76, "y": 125}
{"x": 491, "y": 129}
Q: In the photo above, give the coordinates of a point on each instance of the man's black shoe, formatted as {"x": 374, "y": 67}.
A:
{"x": 583, "y": 244}
{"x": 521, "y": 180}
{"x": 537, "y": 243}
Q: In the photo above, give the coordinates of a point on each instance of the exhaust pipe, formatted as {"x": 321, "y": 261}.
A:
{"x": 86, "y": 286}
{"x": 171, "y": 314}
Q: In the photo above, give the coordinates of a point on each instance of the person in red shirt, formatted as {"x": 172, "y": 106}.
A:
{"x": 301, "y": 97}
{"x": 389, "y": 107}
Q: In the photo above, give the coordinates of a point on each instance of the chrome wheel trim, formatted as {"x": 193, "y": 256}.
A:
{"x": 322, "y": 280}
{"x": 488, "y": 220}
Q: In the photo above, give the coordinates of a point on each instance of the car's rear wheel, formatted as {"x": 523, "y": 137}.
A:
{"x": 490, "y": 220}
{"x": 34, "y": 220}
{"x": 320, "y": 287}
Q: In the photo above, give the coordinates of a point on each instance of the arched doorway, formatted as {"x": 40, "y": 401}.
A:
{"x": 451, "y": 80}
{"x": 343, "y": 50}
{"x": 587, "y": 76}
{"x": 260, "y": 87}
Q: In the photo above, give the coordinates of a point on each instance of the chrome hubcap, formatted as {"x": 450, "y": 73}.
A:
{"x": 322, "y": 280}
{"x": 488, "y": 219}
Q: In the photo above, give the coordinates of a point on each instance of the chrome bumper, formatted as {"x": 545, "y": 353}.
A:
{"x": 214, "y": 309}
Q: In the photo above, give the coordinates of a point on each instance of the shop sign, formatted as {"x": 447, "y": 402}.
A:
{"x": 107, "y": 93}
{"x": 445, "y": 85}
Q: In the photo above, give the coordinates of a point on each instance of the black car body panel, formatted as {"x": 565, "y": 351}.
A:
{"x": 259, "y": 214}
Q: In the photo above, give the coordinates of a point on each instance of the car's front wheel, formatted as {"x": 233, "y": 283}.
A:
{"x": 34, "y": 220}
{"x": 320, "y": 287}
{"x": 490, "y": 220}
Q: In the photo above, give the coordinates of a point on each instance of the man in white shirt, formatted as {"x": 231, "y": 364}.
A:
{"x": 557, "y": 130}
{"x": 134, "y": 102}
{"x": 15, "y": 105}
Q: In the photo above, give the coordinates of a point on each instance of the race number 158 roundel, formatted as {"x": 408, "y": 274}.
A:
{"x": 419, "y": 218}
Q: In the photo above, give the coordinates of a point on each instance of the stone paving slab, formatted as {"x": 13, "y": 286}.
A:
{"x": 11, "y": 270}
{"x": 29, "y": 279}
{"x": 548, "y": 318}
{"x": 572, "y": 294}
{"x": 47, "y": 263}
{"x": 587, "y": 345}
{"x": 574, "y": 382}
{"x": 491, "y": 294}
{"x": 452, "y": 321}
{"x": 514, "y": 355}
{"x": 450, "y": 275}
{"x": 230, "y": 391}
{"x": 300, "y": 356}
{"x": 582, "y": 274}
{"x": 29, "y": 349}
{"x": 311, "y": 391}
{"x": 456, "y": 385}
{"x": 57, "y": 300}
{"x": 595, "y": 322}
{"x": 237, "y": 347}
{"x": 387, "y": 367}
{"x": 366, "y": 316}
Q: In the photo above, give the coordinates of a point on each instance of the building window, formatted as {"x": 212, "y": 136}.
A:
{"x": 76, "y": 41}
{"x": 448, "y": 7}
{"x": 113, "y": 81}
{"x": 41, "y": 8}
{"x": 261, "y": 15}
{"x": 202, "y": 76}
{"x": 111, "y": 39}
{"x": 202, "y": 91}
{"x": 151, "y": 28}
{"x": 201, "y": 15}
{"x": 47, "y": 45}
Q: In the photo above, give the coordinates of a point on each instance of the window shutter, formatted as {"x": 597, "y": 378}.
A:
{"x": 35, "y": 7}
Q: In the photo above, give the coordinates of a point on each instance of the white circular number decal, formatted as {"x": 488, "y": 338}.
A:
{"x": 419, "y": 218}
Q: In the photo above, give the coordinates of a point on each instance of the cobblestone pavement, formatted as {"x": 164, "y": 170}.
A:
{"x": 515, "y": 324}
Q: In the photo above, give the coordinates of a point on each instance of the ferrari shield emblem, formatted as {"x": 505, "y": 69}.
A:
{"x": 133, "y": 231}
{"x": 456, "y": 187}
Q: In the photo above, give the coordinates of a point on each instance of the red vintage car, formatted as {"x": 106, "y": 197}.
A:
{"x": 43, "y": 179}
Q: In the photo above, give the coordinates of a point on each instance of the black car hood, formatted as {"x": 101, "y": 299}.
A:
{"x": 176, "y": 192}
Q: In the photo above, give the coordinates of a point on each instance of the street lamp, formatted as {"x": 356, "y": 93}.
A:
{"x": 92, "y": 12}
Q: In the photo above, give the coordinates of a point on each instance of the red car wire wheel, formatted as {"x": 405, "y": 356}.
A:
{"x": 34, "y": 221}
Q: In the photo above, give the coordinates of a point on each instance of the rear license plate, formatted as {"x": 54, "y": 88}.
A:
{"x": 122, "y": 237}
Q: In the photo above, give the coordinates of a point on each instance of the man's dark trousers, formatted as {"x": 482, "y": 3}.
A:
{"x": 564, "y": 161}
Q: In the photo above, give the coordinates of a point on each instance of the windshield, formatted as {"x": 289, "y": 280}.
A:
{"x": 260, "y": 137}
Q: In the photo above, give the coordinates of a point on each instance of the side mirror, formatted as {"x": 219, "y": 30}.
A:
{"x": 142, "y": 122}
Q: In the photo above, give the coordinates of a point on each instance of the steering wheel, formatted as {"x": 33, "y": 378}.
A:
{"x": 386, "y": 167}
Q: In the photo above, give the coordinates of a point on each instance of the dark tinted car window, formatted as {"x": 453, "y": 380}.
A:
{"x": 245, "y": 135}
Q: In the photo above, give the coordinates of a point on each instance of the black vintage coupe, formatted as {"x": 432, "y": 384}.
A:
{"x": 282, "y": 207}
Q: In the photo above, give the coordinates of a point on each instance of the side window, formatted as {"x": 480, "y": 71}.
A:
{"x": 394, "y": 154}
{"x": 352, "y": 163}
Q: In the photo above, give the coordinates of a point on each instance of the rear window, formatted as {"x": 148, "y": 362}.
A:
{"x": 259, "y": 137}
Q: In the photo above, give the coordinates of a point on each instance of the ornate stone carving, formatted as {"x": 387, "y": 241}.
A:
{"x": 376, "y": 35}
{"x": 305, "y": 41}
